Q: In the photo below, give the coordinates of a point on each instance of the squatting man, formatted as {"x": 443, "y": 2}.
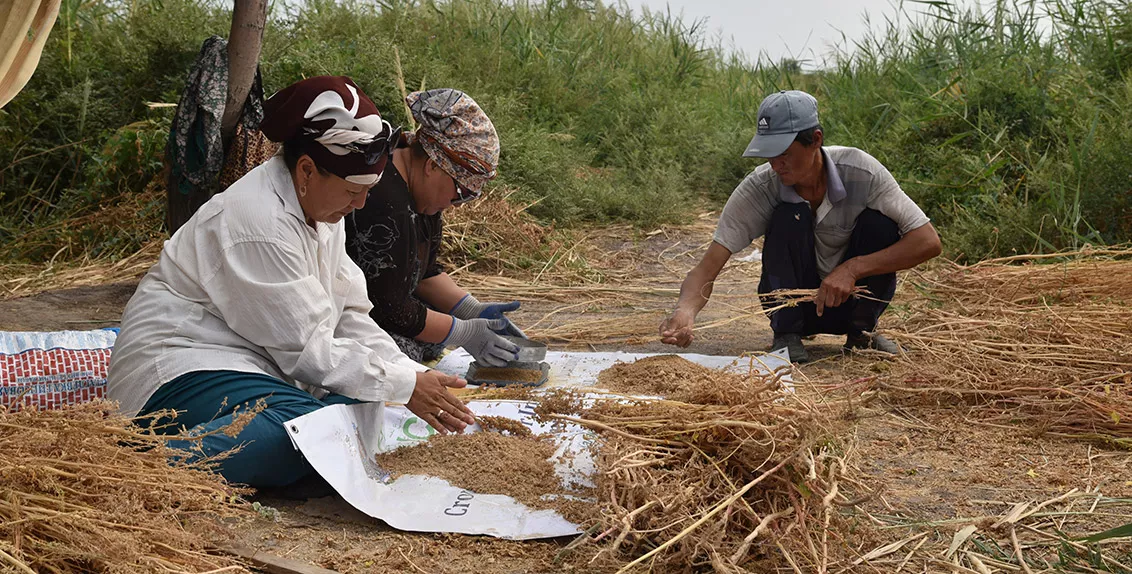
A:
{"x": 833, "y": 219}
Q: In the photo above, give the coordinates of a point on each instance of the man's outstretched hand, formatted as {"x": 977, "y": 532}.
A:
{"x": 677, "y": 329}
{"x": 435, "y": 405}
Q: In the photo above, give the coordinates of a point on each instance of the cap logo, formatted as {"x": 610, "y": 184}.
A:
{"x": 763, "y": 123}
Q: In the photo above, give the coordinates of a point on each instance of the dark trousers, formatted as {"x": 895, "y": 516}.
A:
{"x": 789, "y": 262}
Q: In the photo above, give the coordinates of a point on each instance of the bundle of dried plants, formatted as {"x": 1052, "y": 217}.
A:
{"x": 495, "y": 235}
{"x": 732, "y": 477}
{"x": 1048, "y": 343}
{"x": 85, "y": 490}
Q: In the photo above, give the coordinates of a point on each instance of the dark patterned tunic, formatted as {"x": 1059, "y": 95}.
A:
{"x": 396, "y": 248}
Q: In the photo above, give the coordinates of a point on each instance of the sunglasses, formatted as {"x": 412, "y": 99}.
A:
{"x": 464, "y": 195}
{"x": 382, "y": 145}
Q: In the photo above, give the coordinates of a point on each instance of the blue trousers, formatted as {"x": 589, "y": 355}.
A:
{"x": 789, "y": 262}
{"x": 208, "y": 400}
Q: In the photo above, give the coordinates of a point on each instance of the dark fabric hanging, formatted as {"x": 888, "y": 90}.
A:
{"x": 195, "y": 151}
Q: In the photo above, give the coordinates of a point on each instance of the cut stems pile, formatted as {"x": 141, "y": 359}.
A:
{"x": 83, "y": 490}
{"x": 1050, "y": 344}
{"x": 732, "y": 478}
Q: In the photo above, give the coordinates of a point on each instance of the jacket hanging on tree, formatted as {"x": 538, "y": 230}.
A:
{"x": 195, "y": 149}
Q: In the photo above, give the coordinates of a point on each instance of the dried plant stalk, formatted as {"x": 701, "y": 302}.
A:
{"x": 1047, "y": 344}
{"x": 84, "y": 490}
{"x": 715, "y": 479}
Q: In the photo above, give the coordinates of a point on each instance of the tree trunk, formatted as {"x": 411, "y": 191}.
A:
{"x": 244, "y": 42}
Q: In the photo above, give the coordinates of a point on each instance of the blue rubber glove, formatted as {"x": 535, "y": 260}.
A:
{"x": 471, "y": 308}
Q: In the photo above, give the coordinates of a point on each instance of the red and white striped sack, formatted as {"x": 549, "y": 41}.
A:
{"x": 50, "y": 370}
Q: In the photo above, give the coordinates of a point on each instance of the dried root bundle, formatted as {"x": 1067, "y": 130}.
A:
{"x": 83, "y": 490}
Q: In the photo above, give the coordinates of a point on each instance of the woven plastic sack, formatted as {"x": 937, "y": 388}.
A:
{"x": 53, "y": 369}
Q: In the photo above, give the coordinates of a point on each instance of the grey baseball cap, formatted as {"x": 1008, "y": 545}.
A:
{"x": 781, "y": 117}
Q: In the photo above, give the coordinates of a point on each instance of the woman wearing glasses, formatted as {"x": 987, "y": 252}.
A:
{"x": 396, "y": 236}
{"x": 255, "y": 299}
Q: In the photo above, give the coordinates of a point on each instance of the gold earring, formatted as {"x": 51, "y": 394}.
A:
{"x": 302, "y": 191}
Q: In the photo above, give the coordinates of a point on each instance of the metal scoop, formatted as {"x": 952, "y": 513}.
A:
{"x": 529, "y": 351}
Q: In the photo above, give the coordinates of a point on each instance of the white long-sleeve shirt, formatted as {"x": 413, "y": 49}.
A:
{"x": 246, "y": 285}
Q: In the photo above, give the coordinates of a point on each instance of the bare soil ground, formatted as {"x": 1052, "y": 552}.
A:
{"x": 78, "y": 308}
{"x": 930, "y": 465}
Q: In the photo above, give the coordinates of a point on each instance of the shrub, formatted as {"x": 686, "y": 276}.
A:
{"x": 606, "y": 116}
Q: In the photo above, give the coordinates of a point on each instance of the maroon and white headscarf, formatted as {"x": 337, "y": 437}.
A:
{"x": 336, "y": 124}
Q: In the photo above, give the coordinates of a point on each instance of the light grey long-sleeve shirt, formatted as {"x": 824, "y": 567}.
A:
{"x": 246, "y": 285}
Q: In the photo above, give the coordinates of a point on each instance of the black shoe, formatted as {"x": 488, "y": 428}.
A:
{"x": 864, "y": 340}
{"x": 792, "y": 342}
{"x": 310, "y": 486}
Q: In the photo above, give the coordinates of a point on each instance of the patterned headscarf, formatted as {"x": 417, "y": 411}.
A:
{"x": 456, "y": 134}
{"x": 336, "y": 124}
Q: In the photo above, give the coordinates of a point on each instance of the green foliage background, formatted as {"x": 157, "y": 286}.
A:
{"x": 1011, "y": 135}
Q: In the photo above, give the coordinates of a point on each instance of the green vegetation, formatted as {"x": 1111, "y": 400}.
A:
{"x": 1010, "y": 137}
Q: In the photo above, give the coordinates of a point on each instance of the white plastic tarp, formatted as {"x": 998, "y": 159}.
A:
{"x": 341, "y": 442}
{"x": 569, "y": 369}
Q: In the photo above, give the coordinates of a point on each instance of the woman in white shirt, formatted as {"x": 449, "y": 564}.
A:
{"x": 255, "y": 300}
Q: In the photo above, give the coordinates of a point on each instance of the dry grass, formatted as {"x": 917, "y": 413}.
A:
{"x": 83, "y": 490}
{"x": 493, "y": 236}
{"x": 1048, "y": 344}
{"x": 484, "y": 241}
{"x": 92, "y": 249}
{"x": 734, "y": 480}
{"x": 21, "y": 280}
{"x": 1031, "y": 536}
{"x": 643, "y": 324}
{"x": 117, "y": 241}
{"x": 1041, "y": 536}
